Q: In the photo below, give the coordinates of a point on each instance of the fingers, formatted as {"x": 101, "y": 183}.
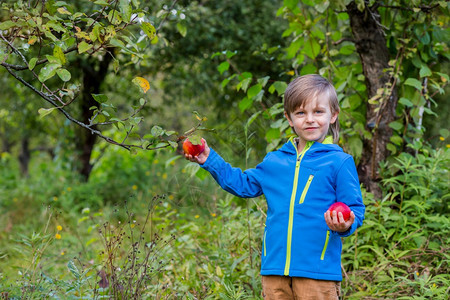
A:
{"x": 335, "y": 221}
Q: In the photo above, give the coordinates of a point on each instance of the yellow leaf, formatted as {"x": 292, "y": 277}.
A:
{"x": 83, "y": 35}
{"x": 143, "y": 83}
{"x": 32, "y": 40}
{"x": 64, "y": 11}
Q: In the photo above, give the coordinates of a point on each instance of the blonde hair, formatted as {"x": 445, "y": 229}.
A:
{"x": 307, "y": 87}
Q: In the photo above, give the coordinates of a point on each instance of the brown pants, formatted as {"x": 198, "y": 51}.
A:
{"x": 287, "y": 288}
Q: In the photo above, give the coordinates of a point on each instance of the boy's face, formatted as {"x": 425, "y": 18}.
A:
{"x": 311, "y": 122}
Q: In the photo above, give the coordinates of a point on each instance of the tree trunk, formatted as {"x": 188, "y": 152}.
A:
{"x": 24, "y": 156}
{"x": 94, "y": 73}
{"x": 372, "y": 49}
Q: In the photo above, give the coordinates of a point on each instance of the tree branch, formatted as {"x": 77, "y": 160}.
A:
{"x": 40, "y": 62}
{"x": 343, "y": 40}
{"x": 49, "y": 99}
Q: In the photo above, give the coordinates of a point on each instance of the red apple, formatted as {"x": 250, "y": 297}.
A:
{"x": 341, "y": 207}
{"x": 194, "y": 150}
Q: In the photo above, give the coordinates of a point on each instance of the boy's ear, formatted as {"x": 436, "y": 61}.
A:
{"x": 288, "y": 118}
{"x": 334, "y": 117}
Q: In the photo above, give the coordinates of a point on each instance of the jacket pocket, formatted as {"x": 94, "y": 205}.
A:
{"x": 305, "y": 189}
{"x": 322, "y": 256}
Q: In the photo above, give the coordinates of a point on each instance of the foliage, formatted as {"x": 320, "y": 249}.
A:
{"x": 209, "y": 242}
{"x": 47, "y": 41}
{"x": 319, "y": 42}
{"x": 63, "y": 237}
{"x": 402, "y": 251}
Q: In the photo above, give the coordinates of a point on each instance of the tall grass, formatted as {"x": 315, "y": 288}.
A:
{"x": 146, "y": 227}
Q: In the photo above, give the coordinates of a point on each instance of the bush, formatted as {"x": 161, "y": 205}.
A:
{"x": 402, "y": 250}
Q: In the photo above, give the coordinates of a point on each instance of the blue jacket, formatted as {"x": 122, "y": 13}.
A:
{"x": 299, "y": 188}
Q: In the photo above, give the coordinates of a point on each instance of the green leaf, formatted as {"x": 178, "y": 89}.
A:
{"x": 308, "y": 69}
{"x": 126, "y": 10}
{"x": 53, "y": 60}
{"x": 272, "y": 134}
{"x": 201, "y": 174}
{"x": 391, "y": 147}
{"x": 254, "y": 90}
{"x": 7, "y": 25}
{"x": 73, "y": 269}
{"x": 230, "y": 54}
{"x": 322, "y": 6}
{"x": 263, "y": 80}
{"x": 83, "y": 47}
{"x": 396, "y": 125}
{"x": 50, "y": 6}
{"x": 101, "y": 2}
{"x": 157, "y": 131}
{"x": 245, "y": 103}
{"x": 100, "y": 98}
{"x": 355, "y": 145}
{"x": 252, "y": 118}
{"x": 32, "y": 63}
{"x": 291, "y": 4}
{"x": 396, "y": 140}
{"x": 425, "y": 71}
{"x": 444, "y": 133}
{"x": 59, "y": 54}
{"x": 347, "y": 49}
{"x": 224, "y": 66}
{"x": 414, "y": 83}
{"x": 259, "y": 96}
{"x": 182, "y": 29}
{"x": 95, "y": 33}
{"x": 114, "y": 17}
{"x": 149, "y": 29}
{"x": 279, "y": 86}
{"x": 45, "y": 111}
{"x": 244, "y": 84}
{"x": 48, "y": 71}
{"x": 311, "y": 48}
{"x": 195, "y": 139}
{"x": 405, "y": 102}
{"x": 64, "y": 74}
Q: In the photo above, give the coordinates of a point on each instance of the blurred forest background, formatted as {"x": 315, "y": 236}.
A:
{"x": 96, "y": 96}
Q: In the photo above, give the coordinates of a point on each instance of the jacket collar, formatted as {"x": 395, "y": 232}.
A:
{"x": 327, "y": 145}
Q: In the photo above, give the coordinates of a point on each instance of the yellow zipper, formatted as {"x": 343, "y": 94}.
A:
{"x": 292, "y": 204}
{"x": 305, "y": 190}
{"x": 265, "y": 234}
{"x": 325, "y": 246}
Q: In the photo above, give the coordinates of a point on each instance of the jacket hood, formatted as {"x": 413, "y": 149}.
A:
{"x": 327, "y": 145}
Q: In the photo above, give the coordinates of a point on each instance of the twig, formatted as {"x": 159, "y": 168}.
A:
{"x": 49, "y": 99}
{"x": 346, "y": 39}
{"x": 166, "y": 16}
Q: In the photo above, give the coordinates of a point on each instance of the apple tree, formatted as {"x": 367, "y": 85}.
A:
{"x": 61, "y": 52}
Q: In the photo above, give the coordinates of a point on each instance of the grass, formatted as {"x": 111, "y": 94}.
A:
{"x": 149, "y": 226}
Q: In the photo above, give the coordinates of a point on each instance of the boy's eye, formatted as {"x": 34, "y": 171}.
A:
{"x": 319, "y": 111}
{"x": 300, "y": 113}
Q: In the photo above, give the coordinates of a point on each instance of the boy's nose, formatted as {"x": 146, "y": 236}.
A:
{"x": 309, "y": 118}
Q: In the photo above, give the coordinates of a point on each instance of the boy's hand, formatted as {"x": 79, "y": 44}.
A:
{"x": 201, "y": 158}
{"x": 336, "y": 221}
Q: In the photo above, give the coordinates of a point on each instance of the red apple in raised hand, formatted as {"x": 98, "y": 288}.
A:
{"x": 341, "y": 207}
{"x": 193, "y": 148}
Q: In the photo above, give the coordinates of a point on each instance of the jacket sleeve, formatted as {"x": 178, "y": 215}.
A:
{"x": 348, "y": 191}
{"x": 245, "y": 184}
